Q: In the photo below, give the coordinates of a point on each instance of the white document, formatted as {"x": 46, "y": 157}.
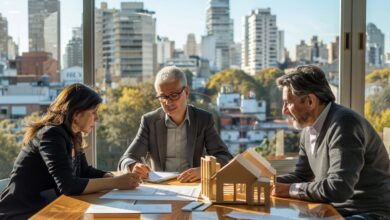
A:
{"x": 123, "y": 207}
{"x": 156, "y": 192}
{"x": 204, "y": 215}
{"x": 255, "y": 216}
{"x": 158, "y": 177}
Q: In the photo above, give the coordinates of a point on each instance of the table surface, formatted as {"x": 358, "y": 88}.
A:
{"x": 73, "y": 207}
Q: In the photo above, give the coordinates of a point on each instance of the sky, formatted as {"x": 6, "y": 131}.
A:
{"x": 300, "y": 19}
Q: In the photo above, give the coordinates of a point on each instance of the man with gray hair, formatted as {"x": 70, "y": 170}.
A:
{"x": 174, "y": 136}
{"x": 342, "y": 160}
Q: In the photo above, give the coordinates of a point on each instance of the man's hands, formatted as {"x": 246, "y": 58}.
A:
{"x": 142, "y": 170}
{"x": 190, "y": 175}
{"x": 281, "y": 189}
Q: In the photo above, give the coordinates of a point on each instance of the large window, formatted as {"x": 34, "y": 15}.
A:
{"x": 377, "y": 78}
{"x": 217, "y": 43}
{"x": 231, "y": 52}
{"x": 40, "y": 53}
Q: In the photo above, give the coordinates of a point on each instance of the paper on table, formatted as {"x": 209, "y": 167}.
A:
{"x": 156, "y": 192}
{"x": 122, "y": 207}
{"x": 158, "y": 177}
{"x": 255, "y": 216}
{"x": 204, "y": 215}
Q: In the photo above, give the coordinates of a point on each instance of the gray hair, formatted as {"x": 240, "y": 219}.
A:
{"x": 305, "y": 80}
{"x": 169, "y": 74}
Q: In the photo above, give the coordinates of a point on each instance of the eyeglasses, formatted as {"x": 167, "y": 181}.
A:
{"x": 173, "y": 96}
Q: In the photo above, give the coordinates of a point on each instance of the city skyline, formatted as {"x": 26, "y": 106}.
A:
{"x": 297, "y": 26}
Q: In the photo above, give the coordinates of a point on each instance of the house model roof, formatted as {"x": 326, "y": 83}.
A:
{"x": 254, "y": 163}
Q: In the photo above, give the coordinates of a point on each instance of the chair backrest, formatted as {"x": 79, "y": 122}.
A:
{"x": 4, "y": 183}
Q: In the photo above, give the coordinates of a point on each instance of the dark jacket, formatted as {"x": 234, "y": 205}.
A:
{"x": 202, "y": 137}
{"x": 350, "y": 167}
{"x": 44, "y": 169}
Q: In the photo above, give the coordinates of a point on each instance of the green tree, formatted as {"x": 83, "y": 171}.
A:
{"x": 269, "y": 91}
{"x": 9, "y": 147}
{"x": 377, "y": 109}
{"x": 119, "y": 120}
{"x": 379, "y": 76}
{"x": 241, "y": 82}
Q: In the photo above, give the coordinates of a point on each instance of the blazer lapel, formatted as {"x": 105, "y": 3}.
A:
{"x": 191, "y": 135}
{"x": 161, "y": 132}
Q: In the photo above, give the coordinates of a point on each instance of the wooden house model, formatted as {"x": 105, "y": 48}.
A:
{"x": 244, "y": 180}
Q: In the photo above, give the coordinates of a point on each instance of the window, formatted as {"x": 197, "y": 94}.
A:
{"x": 40, "y": 53}
{"x": 268, "y": 46}
{"x": 377, "y": 74}
{"x": 4, "y": 111}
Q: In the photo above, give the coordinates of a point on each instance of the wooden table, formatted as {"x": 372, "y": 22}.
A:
{"x": 73, "y": 207}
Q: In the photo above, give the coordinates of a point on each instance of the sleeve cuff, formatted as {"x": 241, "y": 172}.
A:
{"x": 125, "y": 163}
{"x": 295, "y": 191}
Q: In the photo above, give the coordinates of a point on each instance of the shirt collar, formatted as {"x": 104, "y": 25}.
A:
{"x": 317, "y": 126}
{"x": 168, "y": 120}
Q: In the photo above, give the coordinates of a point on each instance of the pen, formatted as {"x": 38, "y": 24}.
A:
{"x": 143, "y": 160}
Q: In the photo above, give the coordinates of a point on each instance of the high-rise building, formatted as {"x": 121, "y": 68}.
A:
{"x": 333, "y": 50}
{"x": 3, "y": 37}
{"x": 51, "y": 35}
{"x": 316, "y": 52}
{"x": 235, "y": 55}
{"x": 375, "y": 48}
{"x": 191, "y": 47}
{"x": 319, "y": 51}
{"x": 165, "y": 50}
{"x": 219, "y": 36}
{"x": 99, "y": 65}
{"x": 74, "y": 49}
{"x": 44, "y": 27}
{"x": 128, "y": 41}
{"x": 281, "y": 54}
{"x": 303, "y": 52}
{"x": 13, "y": 49}
{"x": 260, "y": 41}
{"x": 38, "y": 11}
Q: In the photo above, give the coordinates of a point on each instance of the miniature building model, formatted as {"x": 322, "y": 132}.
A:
{"x": 244, "y": 180}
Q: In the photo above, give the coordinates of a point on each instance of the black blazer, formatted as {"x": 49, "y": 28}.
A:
{"x": 45, "y": 168}
{"x": 202, "y": 137}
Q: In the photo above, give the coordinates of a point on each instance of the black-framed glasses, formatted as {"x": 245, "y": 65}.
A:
{"x": 173, "y": 96}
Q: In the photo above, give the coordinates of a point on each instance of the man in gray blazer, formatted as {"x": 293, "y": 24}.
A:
{"x": 175, "y": 136}
{"x": 342, "y": 160}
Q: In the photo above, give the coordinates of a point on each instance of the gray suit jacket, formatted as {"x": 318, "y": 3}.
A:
{"x": 350, "y": 167}
{"x": 202, "y": 137}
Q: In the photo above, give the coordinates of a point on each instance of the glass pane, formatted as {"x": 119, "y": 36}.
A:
{"x": 40, "y": 53}
{"x": 232, "y": 54}
{"x": 377, "y": 91}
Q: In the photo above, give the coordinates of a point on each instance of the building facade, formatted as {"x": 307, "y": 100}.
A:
{"x": 44, "y": 27}
{"x": 219, "y": 27}
{"x": 74, "y": 49}
{"x": 127, "y": 41}
{"x": 260, "y": 41}
{"x": 375, "y": 48}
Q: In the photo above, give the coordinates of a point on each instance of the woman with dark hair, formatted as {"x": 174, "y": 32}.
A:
{"x": 52, "y": 161}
